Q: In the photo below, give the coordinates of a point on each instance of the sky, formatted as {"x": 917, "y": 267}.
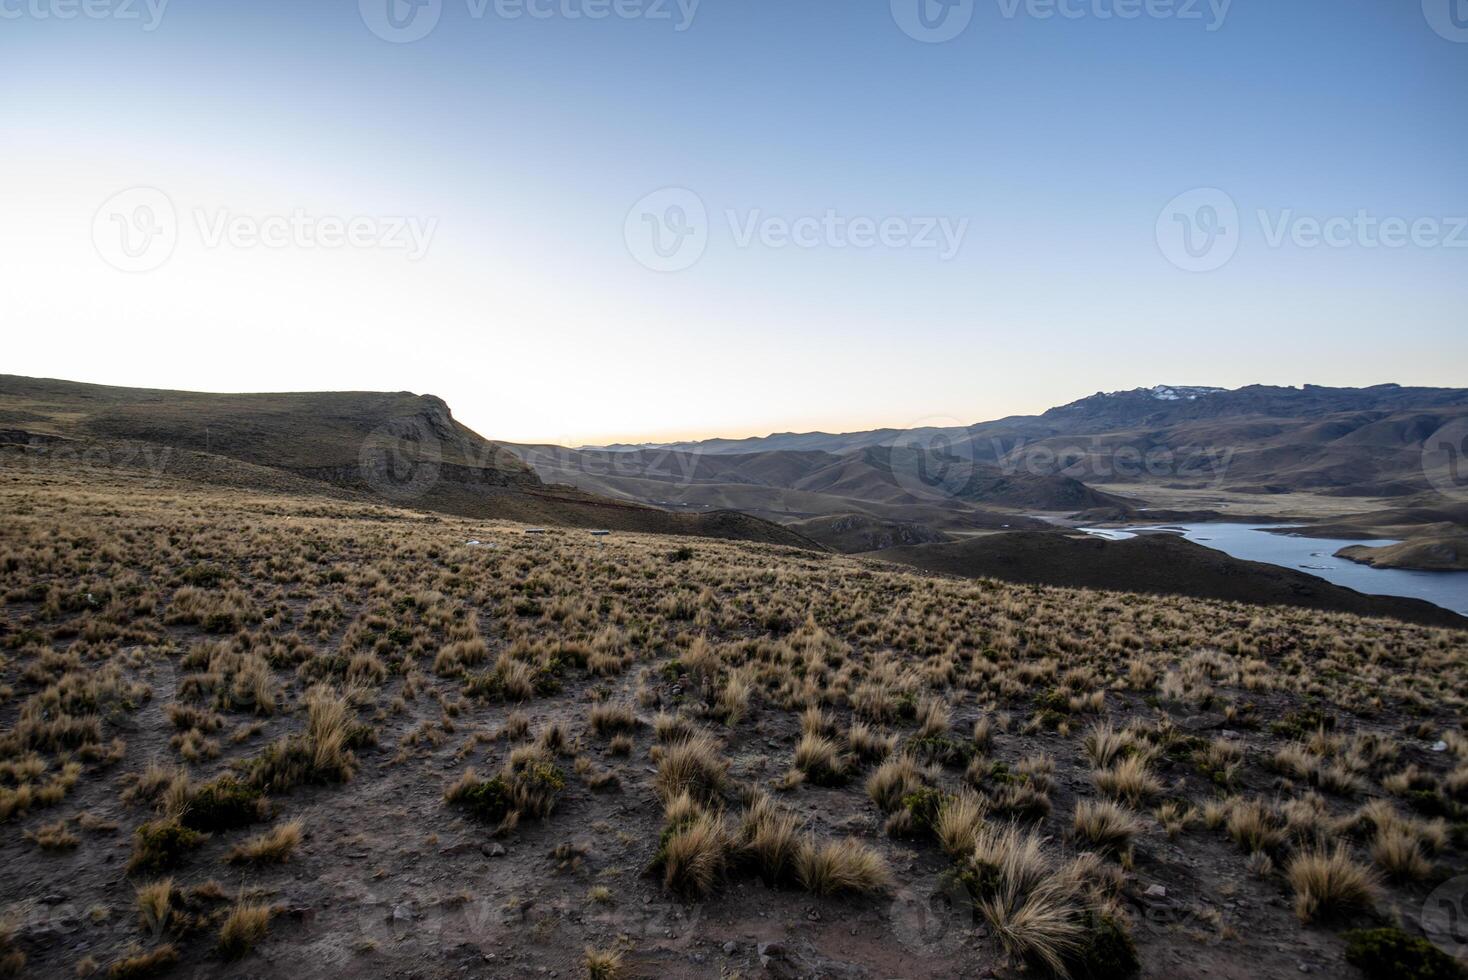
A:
{"x": 585, "y": 221}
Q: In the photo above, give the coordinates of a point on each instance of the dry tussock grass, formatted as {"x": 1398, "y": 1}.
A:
{"x": 918, "y": 703}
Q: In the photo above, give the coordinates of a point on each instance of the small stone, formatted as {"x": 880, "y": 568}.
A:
{"x": 729, "y": 948}
{"x": 41, "y": 936}
{"x": 493, "y": 850}
{"x": 401, "y": 913}
{"x": 1439, "y": 746}
{"x": 1155, "y": 891}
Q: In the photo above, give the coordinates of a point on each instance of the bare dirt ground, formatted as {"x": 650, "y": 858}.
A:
{"x": 651, "y": 709}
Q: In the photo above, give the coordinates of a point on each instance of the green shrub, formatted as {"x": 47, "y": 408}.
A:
{"x": 162, "y": 844}
{"x": 923, "y": 805}
{"x": 528, "y": 789}
{"x": 223, "y": 804}
{"x": 487, "y": 799}
{"x": 944, "y": 750}
{"x": 1390, "y": 954}
{"x": 1109, "y": 951}
{"x": 1302, "y": 723}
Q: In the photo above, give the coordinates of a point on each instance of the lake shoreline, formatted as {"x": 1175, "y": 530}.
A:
{"x": 1447, "y": 589}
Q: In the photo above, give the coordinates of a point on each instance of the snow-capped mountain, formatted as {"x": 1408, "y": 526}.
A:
{"x": 1179, "y": 393}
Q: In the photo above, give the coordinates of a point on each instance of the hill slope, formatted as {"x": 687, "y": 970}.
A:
{"x": 397, "y": 448}
{"x": 877, "y": 482}
{"x": 1155, "y": 563}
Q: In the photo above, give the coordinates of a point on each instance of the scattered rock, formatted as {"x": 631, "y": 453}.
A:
{"x": 1155, "y": 891}
{"x": 730, "y": 948}
{"x": 493, "y": 850}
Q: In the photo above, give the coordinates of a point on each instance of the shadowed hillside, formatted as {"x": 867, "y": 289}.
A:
{"x": 1155, "y": 563}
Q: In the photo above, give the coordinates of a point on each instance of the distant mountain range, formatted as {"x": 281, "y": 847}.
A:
{"x": 1102, "y": 454}
{"x": 1159, "y": 406}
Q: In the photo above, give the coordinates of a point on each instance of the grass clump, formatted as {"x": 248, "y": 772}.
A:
{"x": 893, "y": 781}
{"x": 1329, "y": 884}
{"x": 1105, "y": 825}
{"x": 693, "y": 765}
{"x": 527, "y": 786}
{"x": 820, "y": 760}
{"x": 148, "y": 964}
{"x": 694, "y": 851}
{"x": 273, "y": 847}
{"x": 602, "y": 964}
{"x": 770, "y": 838}
{"x": 1050, "y": 917}
{"x": 1128, "y": 779}
{"x": 847, "y": 866}
{"x": 957, "y": 824}
{"x": 607, "y": 719}
{"x": 318, "y": 756}
{"x": 1254, "y": 827}
{"x": 53, "y": 837}
{"x": 244, "y": 927}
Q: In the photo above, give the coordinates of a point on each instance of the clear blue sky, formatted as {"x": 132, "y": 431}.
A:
{"x": 525, "y": 143}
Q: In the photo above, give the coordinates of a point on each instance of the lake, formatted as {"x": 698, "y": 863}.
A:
{"x": 1316, "y": 556}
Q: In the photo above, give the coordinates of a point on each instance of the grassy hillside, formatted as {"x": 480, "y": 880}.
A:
{"x": 1442, "y": 550}
{"x": 395, "y": 448}
{"x": 787, "y": 485}
{"x": 248, "y": 732}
